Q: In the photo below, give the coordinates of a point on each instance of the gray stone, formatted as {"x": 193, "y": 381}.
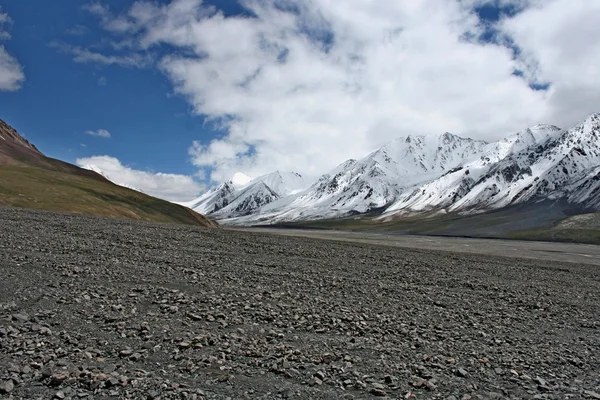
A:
{"x": 7, "y": 386}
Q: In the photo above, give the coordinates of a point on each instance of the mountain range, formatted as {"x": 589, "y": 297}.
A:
{"x": 426, "y": 175}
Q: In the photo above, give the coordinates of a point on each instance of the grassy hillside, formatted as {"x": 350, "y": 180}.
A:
{"x": 54, "y": 190}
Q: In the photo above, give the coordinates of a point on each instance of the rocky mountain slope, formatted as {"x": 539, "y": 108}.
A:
{"x": 440, "y": 174}
{"x": 29, "y": 179}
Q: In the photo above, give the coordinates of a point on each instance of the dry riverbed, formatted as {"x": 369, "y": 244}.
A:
{"x": 95, "y": 308}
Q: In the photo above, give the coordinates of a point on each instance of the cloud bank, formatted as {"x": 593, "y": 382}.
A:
{"x": 172, "y": 187}
{"x": 11, "y": 72}
{"x": 304, "y": 85}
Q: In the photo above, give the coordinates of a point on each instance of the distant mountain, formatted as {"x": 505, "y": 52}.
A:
{"x": 420, "y": 174}
{"x": 99, "y": 171}
{"x": 242, "y": 195}
{"x": 542, "y": 163}
{"x": 376, "y": 180}
{"x": 29, "y": 179}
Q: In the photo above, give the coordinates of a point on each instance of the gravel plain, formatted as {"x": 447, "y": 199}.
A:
{"x": 94, "y": 308}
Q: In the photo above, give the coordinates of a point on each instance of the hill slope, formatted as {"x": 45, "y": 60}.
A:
{"x": 29, "y": 179}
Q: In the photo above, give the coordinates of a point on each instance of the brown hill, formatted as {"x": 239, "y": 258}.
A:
{"x": 29, "y": 179}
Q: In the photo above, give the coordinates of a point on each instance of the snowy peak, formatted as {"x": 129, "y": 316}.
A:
{"x": 539, "y": 163}
{"x": 96, "y": 170}
{"x": 241, "y": 194}
{"x": 100, "y": 172}
{"x": 518, "y": 142}
{"x": 248, "y": 199}
{"x": 431, "y": 173}
{"x": 213, "y": 200}
{"x": 283, "y": 183}
{"x": 239, "y": 180}
{"x": 376, "y": 180}
{"x": 428, "y": 153}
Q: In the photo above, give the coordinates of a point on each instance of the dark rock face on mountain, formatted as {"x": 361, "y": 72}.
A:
{"x": 16, "y": 150}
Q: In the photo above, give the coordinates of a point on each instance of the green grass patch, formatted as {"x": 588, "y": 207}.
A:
{"x": 38, "y": 188}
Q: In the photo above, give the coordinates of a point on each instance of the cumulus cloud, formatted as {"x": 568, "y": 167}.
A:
{"x": 103, "y": 133}
{"x": 11, "y": 71}
{"x": 172, "y": 187}
{"x": 304, "y": 85}
{"x": 562, "y": 48}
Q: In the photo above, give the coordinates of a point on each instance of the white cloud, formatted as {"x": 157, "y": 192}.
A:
{"x": 83, "y": 55}
{"x": 173, "y": 187}
{"x": 560, "y": 45}
{"x": 103, "y": 133}
{"x": 11, "y": 72}
{"x": 306, "y": 89}
{"x": 109, "y": 21}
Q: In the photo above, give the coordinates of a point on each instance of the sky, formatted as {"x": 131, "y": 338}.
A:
{"x": 174, "y": 96}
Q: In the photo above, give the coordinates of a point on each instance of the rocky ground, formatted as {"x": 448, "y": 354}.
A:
{"x": 99, "y": 308}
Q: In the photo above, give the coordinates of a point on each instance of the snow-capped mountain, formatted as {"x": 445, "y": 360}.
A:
{"x": 416, "y": 174}
{"x": 376, "y": 180}
{"x": 450, "y": 187}
{"x": 542, "y": 163}
{"x": 99, "y": 171}
{"x": 242, "y": 195}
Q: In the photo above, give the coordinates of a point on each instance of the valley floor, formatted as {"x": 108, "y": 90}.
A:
{"x": 551, "y": 251}
{"x": 104, "y": 308}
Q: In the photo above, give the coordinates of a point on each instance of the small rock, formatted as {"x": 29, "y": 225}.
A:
{"x": 7, "y": 387}
{"x": 462, "y": 372}
{"x": 21, "y": 317}
{"x": 378, "y": 392}
{"x": 126, "y": 353}
{"x": 195, "y": 317}
{"x": 14, "y": 368}
{"x": 112, "y": 382}
{"x": 591, "y": 395}
{"x": 59, "y": 395}
{"x": 58, "y": 378}
{"x": 540, "y": 381}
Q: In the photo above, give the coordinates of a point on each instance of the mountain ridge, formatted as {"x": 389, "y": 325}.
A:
{"x": 29, "y": 179}
{"x": 418, "y": 174}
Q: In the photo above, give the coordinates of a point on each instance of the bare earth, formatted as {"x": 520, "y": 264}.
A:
{"x": 94, "y": 308}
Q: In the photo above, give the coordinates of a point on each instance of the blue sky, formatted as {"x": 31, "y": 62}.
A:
{"x": 352, "y": 78}
{"x": 62, "y": 99}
